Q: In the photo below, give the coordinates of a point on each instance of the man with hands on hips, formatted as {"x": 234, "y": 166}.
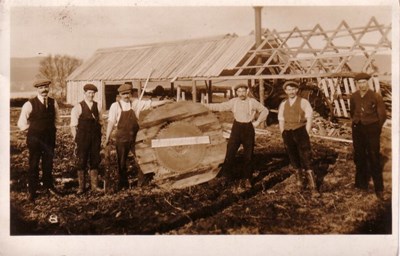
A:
{"x": 295, "y": 116}
{"x": 244, "y": 110}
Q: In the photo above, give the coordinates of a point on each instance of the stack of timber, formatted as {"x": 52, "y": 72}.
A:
{"x": 181, "y": 143}
{"x": 386, "y": 91}
{"x": 325, "y": 128}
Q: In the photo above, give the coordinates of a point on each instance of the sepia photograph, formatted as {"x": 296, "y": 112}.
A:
{"x": 172, "y": 128}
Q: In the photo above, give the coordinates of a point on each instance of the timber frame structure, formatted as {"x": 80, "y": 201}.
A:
{"x": 280, "y": 60}
{"x": 320, "y": 57}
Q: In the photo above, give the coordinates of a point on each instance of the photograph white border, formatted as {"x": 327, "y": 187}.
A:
{"x": 188, "y": 244}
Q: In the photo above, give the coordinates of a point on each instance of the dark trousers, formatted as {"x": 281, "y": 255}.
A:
{"x": 40, "y": 146}
{"x": 89, "y": 144}
{"x": 366, "y": 144}
{"x": 298, "y": 147}
{"x": 242, "y": 134}
{"x": 123, "y": 149}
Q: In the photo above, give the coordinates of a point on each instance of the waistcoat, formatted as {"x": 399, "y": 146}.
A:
{"x": 41, "y": 120}
{"x": 89, "y": 119}
{"x": 294, "y": 116}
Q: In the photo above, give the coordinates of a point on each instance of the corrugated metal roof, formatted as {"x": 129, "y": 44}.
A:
{"x": 184, "y": 59}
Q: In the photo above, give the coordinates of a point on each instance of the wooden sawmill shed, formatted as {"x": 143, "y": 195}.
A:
{"x": 174, "y": 61}
{"x": 322, "y": 57}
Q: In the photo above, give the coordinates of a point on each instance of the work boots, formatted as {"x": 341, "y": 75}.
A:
{"x": 81, "y": 182}
{"x": 93, "y": 181}
{"x": 300, "y": 179}
{"x": 312, "y": 186}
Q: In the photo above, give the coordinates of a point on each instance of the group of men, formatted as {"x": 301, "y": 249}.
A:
{"x": 295, "y": 114}
{"x": 295, "y": 117}
{"x": 295, "y": 120}
{"x": 41, "y": 114}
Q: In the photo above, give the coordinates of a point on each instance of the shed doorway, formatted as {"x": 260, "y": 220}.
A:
{"x": 111, "y": 93}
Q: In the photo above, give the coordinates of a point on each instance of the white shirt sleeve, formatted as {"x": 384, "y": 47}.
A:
{"x": 75, "y": 113}
{"x": 306, "y": 106}
{"x": 142, "y": 105}
{"x": 57, "y": 113}
{"x": 23, "y": 122}
{"x": 113, "y": 113}
{"x": 281, "y": 110}
{"x": 223, "y": 106}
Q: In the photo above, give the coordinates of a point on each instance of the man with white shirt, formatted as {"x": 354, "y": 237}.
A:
{"x": 244, "y": 110}
{"x": 39, "y": 116}
{"x": 124, "y": 115}
{"x": 86, "y": 132}
{"x": 295, "y": 116}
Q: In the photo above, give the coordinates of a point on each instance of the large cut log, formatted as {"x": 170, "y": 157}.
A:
{"x": 181, "y": 143}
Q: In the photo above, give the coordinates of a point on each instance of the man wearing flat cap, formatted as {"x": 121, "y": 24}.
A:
{"x": 295, "y": 120}
{"x": 39, "y": 116}
{"x": 124, "y": 115}
{"x": 368, "y": 114}
{"x": 244, "y": 110}
{"x": 86, "y": 132}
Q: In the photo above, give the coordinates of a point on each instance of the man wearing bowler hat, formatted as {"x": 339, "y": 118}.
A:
{"x": 86, "y": 132}
{"x": 39, "y": 116}
{"x": 295, "y": 120}
{"x": 368, "y": 114}
{"x": 124, "y": 115}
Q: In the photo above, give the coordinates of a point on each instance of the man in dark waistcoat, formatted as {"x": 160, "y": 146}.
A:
{"x": 368, "y": 114}
{"x": 295, "y": 120}
{"x": 39, "y": 116}
{"x": 86, "y": 131}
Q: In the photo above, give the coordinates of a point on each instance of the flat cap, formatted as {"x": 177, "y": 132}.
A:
{"x": 241, "y": 86}
{"x": 362, "y": 76}
{"x": 125, "y": 87}
{"x": 291, "y": 83}
{"x": 90, "y": 87}
{"x": 41, "y": 82}
{"x": 135, "y": 87}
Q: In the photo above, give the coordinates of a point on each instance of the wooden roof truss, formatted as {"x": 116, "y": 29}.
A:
{"x": 316, "y": 51}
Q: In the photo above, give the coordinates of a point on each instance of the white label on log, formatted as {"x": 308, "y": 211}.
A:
{"x": 170, "y": 142}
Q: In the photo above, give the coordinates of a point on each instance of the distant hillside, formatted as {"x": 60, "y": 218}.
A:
{"x": 25, "y": 70}
{"x": 23, "y": 73}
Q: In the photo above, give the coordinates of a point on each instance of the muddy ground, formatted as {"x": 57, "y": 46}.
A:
{"x": 273, "y": 206}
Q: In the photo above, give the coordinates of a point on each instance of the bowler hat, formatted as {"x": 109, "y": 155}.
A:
{"x": 362, "y": 76}
{"x": 91, "y": 87}
{"x": 290, "y": 83}
{"x": 241, "y": 86}
{"x": 125, "y": 88}
{"x": 41, "y": 82}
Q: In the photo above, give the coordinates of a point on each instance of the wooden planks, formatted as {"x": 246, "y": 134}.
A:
{"x": 339, "y": 90}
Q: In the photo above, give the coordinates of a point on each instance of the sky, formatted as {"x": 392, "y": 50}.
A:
{"x": 79, "y": 31}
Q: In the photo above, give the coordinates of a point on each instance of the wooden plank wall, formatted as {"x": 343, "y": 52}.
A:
{"x": 339, "y": 94}
{"x": 75, "y": 92}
